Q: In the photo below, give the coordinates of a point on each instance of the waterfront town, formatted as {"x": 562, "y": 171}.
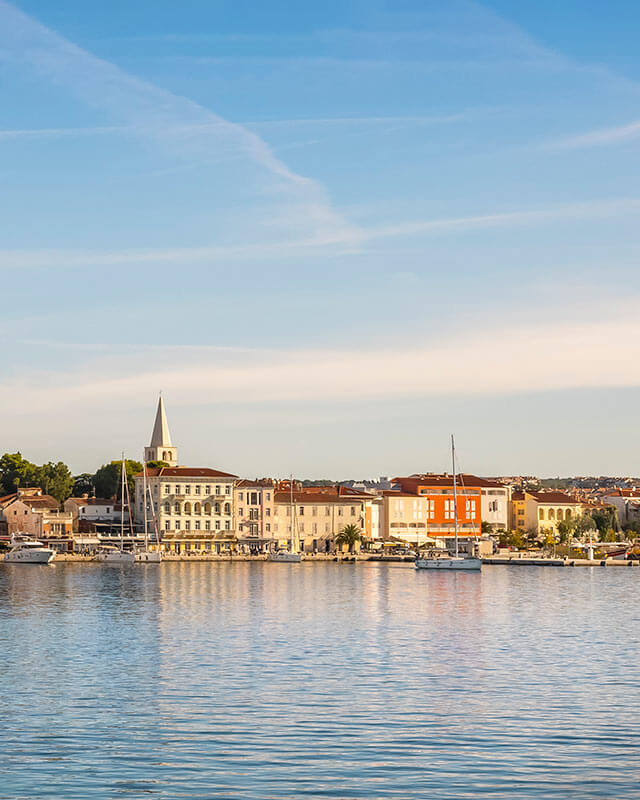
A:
{"x": 194, "y": 511}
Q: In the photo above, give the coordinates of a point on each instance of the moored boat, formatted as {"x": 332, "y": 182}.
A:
{"x": 112, "y": 555}
{"x": 25, "y": 550}
{"x": 285, "y": 557}
{"x": 439, "y": 560}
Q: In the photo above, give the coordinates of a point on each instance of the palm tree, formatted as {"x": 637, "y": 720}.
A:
{"x": 349, "y": 535}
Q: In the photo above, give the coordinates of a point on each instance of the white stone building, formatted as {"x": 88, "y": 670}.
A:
{"x": 193, "y": 507}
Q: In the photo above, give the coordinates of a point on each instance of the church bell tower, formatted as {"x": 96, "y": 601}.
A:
{"x": 160, "y": 448}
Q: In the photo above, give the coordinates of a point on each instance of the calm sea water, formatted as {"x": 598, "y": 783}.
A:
{"x": 244, "y": 680}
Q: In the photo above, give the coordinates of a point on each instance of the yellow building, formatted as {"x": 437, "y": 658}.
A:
{"x": 541, "y": 511}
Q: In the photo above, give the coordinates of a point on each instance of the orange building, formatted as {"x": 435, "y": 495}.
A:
{"x": 422, "y": 508}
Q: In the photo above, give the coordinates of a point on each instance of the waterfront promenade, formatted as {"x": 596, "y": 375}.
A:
{"x": 514, "y": 560}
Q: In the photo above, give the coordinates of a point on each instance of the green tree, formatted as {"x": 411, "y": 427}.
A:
{"x": 16, "y": 471}
{"x": 154, "y": 464}
{"x": 56, "y": 480}
{"x": 349, "y": 535}
{"x": 82, "y": 484}
{"x": 566, "y": 528}
{"x": 106, "y": 481}
{"x": 486, "y": 528}
{"x": 606, "y": 519}
{"x": 585, "y": 525}
{"x": 511, "y": 539}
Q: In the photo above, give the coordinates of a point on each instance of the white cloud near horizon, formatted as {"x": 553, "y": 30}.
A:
{"x": 541, "y": 358}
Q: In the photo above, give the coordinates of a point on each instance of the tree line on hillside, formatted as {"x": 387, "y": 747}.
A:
{"x": 56, "y": 479}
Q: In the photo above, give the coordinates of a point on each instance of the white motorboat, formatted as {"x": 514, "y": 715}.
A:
{"x": 111, "y": 555}
{"x": 285, "y": 557}
{"x": 25, "y": 550}
{"x": 435, "y": 560}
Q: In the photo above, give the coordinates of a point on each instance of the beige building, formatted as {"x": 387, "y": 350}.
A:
{"x": 192, "y": 507}
{"x": 254, "y": 503}
{"x": 316, "y": 514}
{"x": 540, "y": 512}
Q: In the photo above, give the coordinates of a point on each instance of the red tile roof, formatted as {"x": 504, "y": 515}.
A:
{"x": 185, "y": 472}
{"x": 318, "y": 498}
{"x": 554, "y": 497}
{"x": 468, "y": 481}
{"x": 90, "y": 501}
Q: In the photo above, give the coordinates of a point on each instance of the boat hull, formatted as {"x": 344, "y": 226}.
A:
{"x": 32, "y": 556}
{"x": 120, "y": 557}
{"x": 473, "y": 564}
{"x": 148, "y": 557}
{"x": 285, "y": 558}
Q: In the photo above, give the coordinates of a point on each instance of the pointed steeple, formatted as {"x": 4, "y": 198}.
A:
{"x": 160, "y": 436}
{"x": 161, "y": 448}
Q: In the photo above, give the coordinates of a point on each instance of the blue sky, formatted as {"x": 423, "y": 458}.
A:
{"x": 330, "y": 233}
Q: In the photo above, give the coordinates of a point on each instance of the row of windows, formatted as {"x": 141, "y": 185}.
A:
{"x": 217, "y": 525}
{"x": 197, "y": 508}
{"x": 254, "y": 513}
{"x": 253, "y": 498}
{"x": 186, "y": 489}
{"x": 553, "y": 514}
{"x": 300, "y": 511}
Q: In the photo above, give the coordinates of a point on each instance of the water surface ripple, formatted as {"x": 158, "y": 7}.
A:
{"x": 253, "y": 680}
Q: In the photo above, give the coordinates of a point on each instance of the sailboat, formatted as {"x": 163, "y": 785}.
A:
{"x": 446, "y": 561}
{"x": 113, "y": 555}
{"x": 147, "y": 556}
{"x": 289, "y": 556}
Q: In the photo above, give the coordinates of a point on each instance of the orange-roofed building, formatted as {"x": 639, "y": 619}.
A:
{"x": 422, "y": 508}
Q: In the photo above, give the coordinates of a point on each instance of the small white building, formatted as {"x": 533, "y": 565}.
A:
{"x": 91, "y": 509}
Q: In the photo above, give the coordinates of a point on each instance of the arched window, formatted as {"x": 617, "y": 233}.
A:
{"x": 187, "y": 508}
{"x": 176, "y": 508}
{"x": 217, "y": 508}
{"x": 167, "y": 508}
{"x": 559, "y": 515}
{"x": 568, "y": 514}
{"x": 227, "y": 508}
{"x": 207, "y": 508}
{"x": 541, "y": 513}
{"x": 197, "y": 509}
{"x": 552, "y": 514}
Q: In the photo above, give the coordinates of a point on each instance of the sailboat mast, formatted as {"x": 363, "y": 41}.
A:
{"x": 455, "y": 494}
{"x": 144, "y": 497}
{"x": 122, "y": 504}
{"x": 293, "y": 515}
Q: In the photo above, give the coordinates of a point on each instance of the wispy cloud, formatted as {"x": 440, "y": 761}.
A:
{"x": 337, "y": 240}
{"x": 597, "y": 138}
{"x": 575, "y": 211}
{"x": 158, "y": 115}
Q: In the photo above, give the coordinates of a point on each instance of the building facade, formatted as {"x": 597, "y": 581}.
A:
{"x": 539, "y": 513}
{"x": 316, "y": 515}
{"x": 189, "y": 509}
{"x": 38, "y": 515}
{"x": 254, "y": 504}
{"x": 422, "y": 508}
